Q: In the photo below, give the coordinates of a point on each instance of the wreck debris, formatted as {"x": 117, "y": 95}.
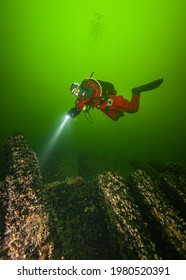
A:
{"x": 167, "y": 226}
{"x": 79, "y": 221}
{"x": 107, "y": 217}
{"x": 173, "y": 184}
{"x": 133, "y": 236}
{"x": 26, "y": 223}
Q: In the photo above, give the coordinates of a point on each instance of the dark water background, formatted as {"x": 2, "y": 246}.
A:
{"x": 47, "y": 45}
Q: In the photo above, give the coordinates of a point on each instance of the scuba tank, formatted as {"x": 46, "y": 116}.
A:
{"x": 107, "y": 88}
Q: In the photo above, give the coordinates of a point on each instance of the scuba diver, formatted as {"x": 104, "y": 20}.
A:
{"x": 103, "y": 96}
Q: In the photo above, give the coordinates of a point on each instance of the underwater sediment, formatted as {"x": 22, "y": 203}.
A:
{"x": 104, "y": 217}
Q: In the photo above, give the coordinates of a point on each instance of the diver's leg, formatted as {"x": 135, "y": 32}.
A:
{"x": 123, "y": 105}
{"x": 134, "y": 103}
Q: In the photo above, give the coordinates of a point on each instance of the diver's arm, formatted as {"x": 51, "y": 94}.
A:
{"x": 74, "y": 112}
{"x": 87, "y": 94}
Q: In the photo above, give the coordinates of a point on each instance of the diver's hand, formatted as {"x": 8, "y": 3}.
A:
{"x": 73, "y": 112}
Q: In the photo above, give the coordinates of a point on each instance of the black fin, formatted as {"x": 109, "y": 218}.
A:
{"x": 147, "y": 87}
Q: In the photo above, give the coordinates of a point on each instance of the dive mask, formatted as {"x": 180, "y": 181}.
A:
{"x": 75, "y": 89}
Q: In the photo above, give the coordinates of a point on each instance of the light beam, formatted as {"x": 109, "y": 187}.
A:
{"x": 53, "y": 140}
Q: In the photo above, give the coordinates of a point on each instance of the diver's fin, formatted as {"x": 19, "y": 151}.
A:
{"x": 147, "y": 87}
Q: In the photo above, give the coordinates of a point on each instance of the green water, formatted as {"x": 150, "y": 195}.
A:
{"x": 46, "y": 45}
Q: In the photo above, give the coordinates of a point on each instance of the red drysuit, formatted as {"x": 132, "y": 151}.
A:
{"x": 102, "y": 95}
